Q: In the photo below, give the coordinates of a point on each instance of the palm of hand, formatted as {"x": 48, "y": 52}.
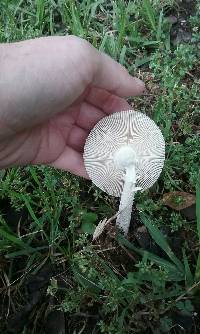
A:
{"x": 47, "y": 119}
{"x": 59, "y": 142}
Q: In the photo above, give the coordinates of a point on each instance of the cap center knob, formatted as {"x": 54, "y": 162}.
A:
{"x": 124, "y": 157}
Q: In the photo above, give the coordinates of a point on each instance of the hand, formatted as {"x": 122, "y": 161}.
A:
{"x": 53, "y": 91}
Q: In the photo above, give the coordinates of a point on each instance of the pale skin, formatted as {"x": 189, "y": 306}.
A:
{"x": 52, "y": 92}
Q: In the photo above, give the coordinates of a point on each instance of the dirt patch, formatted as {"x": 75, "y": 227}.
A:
{"x": 181, "y": 31}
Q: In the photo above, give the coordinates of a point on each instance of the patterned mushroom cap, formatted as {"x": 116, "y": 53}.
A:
{"x": 131, "y": 128}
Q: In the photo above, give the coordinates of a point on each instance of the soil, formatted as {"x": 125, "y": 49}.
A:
{"x": 181, "y": 31}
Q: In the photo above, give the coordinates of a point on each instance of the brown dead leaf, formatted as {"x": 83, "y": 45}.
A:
{"x": 179, "y": 200}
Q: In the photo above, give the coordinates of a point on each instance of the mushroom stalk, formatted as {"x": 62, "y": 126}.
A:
{"x": 127, "y": 197}
{"x": 125, "y": 158}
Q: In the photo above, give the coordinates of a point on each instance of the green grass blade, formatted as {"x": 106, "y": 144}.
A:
{"x": 142, "y": 41}
{"x": 103, "y": 42}
{"x": 76, "y": 24}
{"x": 27, "y": 251}
{"x": 159, "y": 31}
{"x": 40, "y": 11}
{"x": 106, "y": 267}
{"x": 30, "y": 210}
{"x": 173, "y": 272}
{"x": 161, "y": 241}
{"x": 94, "y": 6}
{"x": 122, "y": 55}
{"x": 37, "y": 221}
{"x": 150, "y": 14}
{"x": 188, "y": 274}
{"x": 197, "y": 272}
{"x": 13, "y": 239}
{"x": 142, "y": 61}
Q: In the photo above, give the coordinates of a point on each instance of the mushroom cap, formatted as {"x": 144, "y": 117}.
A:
{"x": 130, "y": 129}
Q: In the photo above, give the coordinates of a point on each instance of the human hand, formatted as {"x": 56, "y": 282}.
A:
{"x": 53, "y": 91}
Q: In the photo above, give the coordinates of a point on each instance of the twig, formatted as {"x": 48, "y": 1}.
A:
{"x": 105, "y": 250}
{"x": 129, "y": 254}
{"x": 181, "y": 296}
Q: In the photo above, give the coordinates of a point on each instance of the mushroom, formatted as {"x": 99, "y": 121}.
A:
{"x": 124, "y": 153}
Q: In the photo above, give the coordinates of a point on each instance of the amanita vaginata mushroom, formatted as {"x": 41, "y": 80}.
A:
{"x": 124, "y": 153}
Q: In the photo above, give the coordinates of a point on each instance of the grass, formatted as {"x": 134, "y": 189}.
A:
{"x": 47, "y": 216}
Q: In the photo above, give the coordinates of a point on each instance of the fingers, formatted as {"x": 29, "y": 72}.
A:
{"x": 103, "y": 104}
{"x": 77, "y": 138}
{"x": 89, "y": 115}
{"x": 71, "y": 161}
{"x": 73, "y": 135}
{"x": 113, "y": 77}
{"x": 102, "y": 71}
{"x": 106, "y": 101}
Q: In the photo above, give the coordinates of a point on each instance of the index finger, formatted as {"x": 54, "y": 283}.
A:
{"x": 113, "y": 77}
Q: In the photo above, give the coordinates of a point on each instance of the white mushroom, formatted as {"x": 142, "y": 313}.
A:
{"x": 124, "y": 153}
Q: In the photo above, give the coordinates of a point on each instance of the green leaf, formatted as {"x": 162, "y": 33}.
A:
{"x": 141, "y": 61}
{"x": 94, "y": 7}
{"x": 131, "y": 279}
{"x": 89, "y": 217}
{"x": 107, "y": 268}
{"x": 150, "y": 14}
{"x": 174, "y": 273}
{"x": 88, "y": 220}
{"x": 27, "y": 251}
{"x": 40, "y": 11}
{"x": 85, "y": 282}
{"x": 121, "y": 319}
{"x": 122, "y": 55}
{"x": 30, "y": 210}
{"x": 11, "y": 238}
{"x": 103, "y": 42}
{"x": 188, "y": 275}
{"x": 142, "y": 41}
{"x": 185, "y": 306}
{"x": 159, "y": 30}
{"x": 166, "y": 324}
{"x": 161, "y": 241}
{"x": 87, "y": 227}
{"x": 38, "y": 222}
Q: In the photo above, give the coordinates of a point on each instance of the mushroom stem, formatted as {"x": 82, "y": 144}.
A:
{"x": 127, "y": 197}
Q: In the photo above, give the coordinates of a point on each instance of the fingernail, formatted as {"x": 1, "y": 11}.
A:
{"x": 139, "y": 82}
{"x": 141, "y": 86}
